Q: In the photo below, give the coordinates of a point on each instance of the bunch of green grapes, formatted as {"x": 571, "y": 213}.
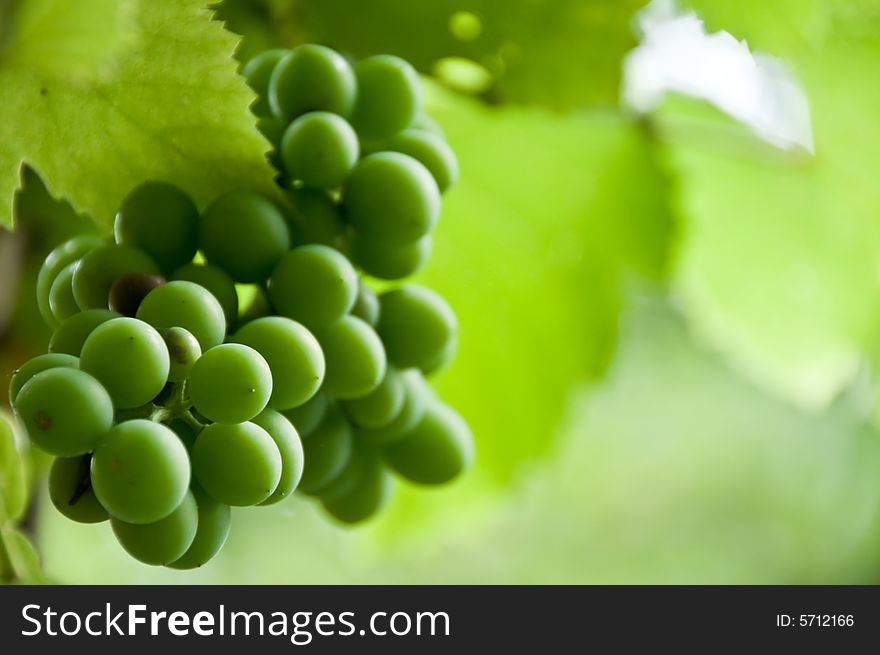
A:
{"x": 232, "y": 356}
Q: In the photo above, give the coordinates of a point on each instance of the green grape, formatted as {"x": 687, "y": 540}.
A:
{"x": 389, "y": 96}
{"x": 163, "y": 541}
{"x": 183, "y": 351}
{"x": 418, "y": 328}
{"x": 436, "y": 451}
{"x": 129, "y": 291}
{"x": 311, "y": 78}
{"x": 237, "y": 464}
{"x": 379, "y": 407}
{"x": 366, "y": 305}
{"x": 391, "y": 196}
{"x": 326, "y": 451}
{"x": 184, "y": 431}
{"x": 100, "y": 268}
{"x": 417, "y": 395}
{"x": 431, "y": 151}
{"x": 354, "y": 357}
{"x": 230, "y": 383}
{"x": 308, "y": 416}
{"x": 346, "y": 479}
{"x": 213, "y": 528}
{"x": 314, "y": 285}
{"x": 140, "y": 471}
{"x": 257, "y": 73}
{"x": 160, "y": 220}
{"x": 425, "y": 123}
{"x": 66, "y": 412}
{"x": 319, "y": 149}
{"x": 273, "y": 129}
{"x": 293, "y": 355}
{"x": 70, "y": 490}
{"x": 36, "y": 365}
{"x": 244, "y": 234}
{"x": 291, "y": 449}
{"x": 390, "y": 261}
{"x": 315, "y": 218}
{"x": 186, "y": 305}
{"x": 129, "y": 358}
{"x": 72, "y": 334}
{"x": 216, "y": 281}
{"x": 61, "y": 301}
{"x": 368, "y": 491}
{"x": 258, "y": 306}
{"x": 67, "y": 253}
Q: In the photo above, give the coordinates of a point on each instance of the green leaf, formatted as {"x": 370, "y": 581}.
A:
{"x": 779, "y": 262}
{"x": 154, "y": 96}
{"x": 13, "y": 480}
{"x": 559, "y": 53}
{"x": 22, "y": 557}
{"x": 533, "y": 250}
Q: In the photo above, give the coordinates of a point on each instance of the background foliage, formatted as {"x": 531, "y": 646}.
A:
{"x": 668, "y": 326}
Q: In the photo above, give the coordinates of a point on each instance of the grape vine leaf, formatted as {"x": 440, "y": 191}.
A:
{"x": 98, "y": 96}
{"x": 533, "y": 251}
{"x": 779, "y": 262}
{"x": 557, "y": 53}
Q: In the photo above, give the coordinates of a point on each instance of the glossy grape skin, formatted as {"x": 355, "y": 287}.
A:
{"x": 390, "y": 261}
{"x": 391, "y": 196}
{"x": 311, "y": 78}
{"x": 314, "y": 285}
{"x": 436, "y": 451}
{"x": 163, "y": 541}
{"x": 308, "y": 416}
{"x": 36, "y": 365}
{"x": 66, "y": 412}
{"x": 61, "y": 301}
{"x": 315, "y": 219}
{"x": 129, "y": 358}
{"x": 215, "y": 280}
{"x": 257, "y": 73}
{"x": 100, "y": 268}
{"x": 140, "y": 471}
{"x": 326, "y": 450}
{"x": 389, "y": 96}
{"x": 354, "y": 357}
{"x": 293, "y": 355}
{"x": 379, "y": 407}
{"x": 230, "y": 383}
{"x": 417, "y": 395}
{"x": 129, "y": 291}
{"x": 244, "y": 234}
{"x": 65, "y": 254}
{"x": 186, "y": 305}
{"x": 70, "y": 490}
{"x": 70, "y": 336}
{"x": 431, "y": 151}
{"x": 237, "y": 465}
{"x": 160, "y": 220}
{"x": 367, "y": 492}
{"x": 319, "y": 149}
{"x": 366, "y": 305}
{"x": 289, "y": 447}
{"x": 183, "y": 352}
{"x": 417, "y": 327}
{"x": 213, "y": 528}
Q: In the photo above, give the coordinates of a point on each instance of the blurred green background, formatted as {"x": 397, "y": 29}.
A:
{"x": 664, "y": 252}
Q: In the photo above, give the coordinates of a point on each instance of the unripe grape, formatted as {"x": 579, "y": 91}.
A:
{"x": 319, "y": 149}
{"x": 163, "y": 541}
{"x": 36, "y": 365}
{"x": 129, "y": 291}
{"x": 61, "y": 300}
{"x": 311, "y": 78}
{"x": 65, "y": 254}
{"x": 70, "y": 490}
{"x": 389, "y": 96}
{"x": 215, "y": 280}
{"x": 257, "y": 73}
{"x": 213, "y": 528}
{"x": 289, "y": 447}
{"x": 230, "y": 383}
{"x": 183, "y": 352}
{"x": 100, "y": 268}
{"x": 418, "y": 328}
{"x": 72, "y": 333}
{"x": 186, "y": 305}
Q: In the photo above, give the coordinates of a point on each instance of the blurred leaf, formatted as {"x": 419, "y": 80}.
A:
{"x": 559, "y": 53}
{"x": 22, "y": 557}
{"x": 13, "y": 481}
{"x": 551, "y": 217}
{"x": 167, "y": 105}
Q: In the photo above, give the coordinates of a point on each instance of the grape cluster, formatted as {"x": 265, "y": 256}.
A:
{"x": 231, "y": 356}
